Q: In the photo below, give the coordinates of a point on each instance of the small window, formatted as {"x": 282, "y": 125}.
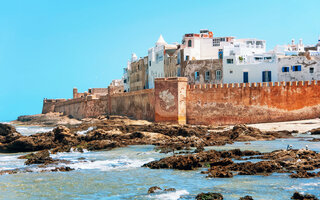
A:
{"x": 187, "y": 57}
{"x": 311, "y": 70}
{"x": 266, "y": 76}
{"x": 231, "y": 71}
{"x": 245, "y": 77}
{"x": 149, "y": 63}
{"x": 229, "y": 61}
{"x": 189, "y": 43}
{"x": 285, "y": 69}
{"x": 207, "y": 77}
{"x": 218, "y": 75}
{"x": 296, "y": 68}
{"x": 125, "y": 81}
{"x": 196, "y": 76}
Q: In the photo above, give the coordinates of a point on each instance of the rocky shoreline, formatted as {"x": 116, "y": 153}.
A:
{"x": 187, "y": 143}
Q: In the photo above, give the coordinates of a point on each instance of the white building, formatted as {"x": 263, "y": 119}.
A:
{"x": 246, "y": 60}
{"x": 156, "y": 60}
{"x": 250, "y": 68}
{"x": 203, "y": 46}
{"x": 298, "y": 68}
{"x": 292, "y": 49}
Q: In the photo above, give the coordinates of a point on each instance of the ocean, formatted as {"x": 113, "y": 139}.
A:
{"x": 117, "y": 174}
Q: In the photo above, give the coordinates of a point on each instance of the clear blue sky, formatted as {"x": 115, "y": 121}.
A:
{"x": 47, "y": 47}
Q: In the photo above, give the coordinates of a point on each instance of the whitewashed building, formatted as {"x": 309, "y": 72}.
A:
{"x": 203, "y": 46}
{"x": 246, "y": 60}
{"x": 156, "y": 60}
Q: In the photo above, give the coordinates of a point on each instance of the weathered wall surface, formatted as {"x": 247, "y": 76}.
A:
{"x": 245, "y": 103}
{"x": 49, "y": 105}
{"x": 83, "y": 107}
{"x": 138, "y": 104}
{"x": 170, "y": 100}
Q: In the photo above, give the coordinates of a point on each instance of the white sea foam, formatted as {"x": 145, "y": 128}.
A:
{"x": 169, "y": 195}
{"x": 32, "y": 130}
{"x": 85, "y": 131}
{"x": 108, "y": 165}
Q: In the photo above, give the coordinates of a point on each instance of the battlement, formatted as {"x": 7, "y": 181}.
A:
{"x": 253, "y": 85}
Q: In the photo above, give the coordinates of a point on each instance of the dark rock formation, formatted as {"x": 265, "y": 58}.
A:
{"x": 154, "y": 189}
{"x": 209, "y": 196}
{"x": 246, "y": 198}
{"x": 298, "y": 196}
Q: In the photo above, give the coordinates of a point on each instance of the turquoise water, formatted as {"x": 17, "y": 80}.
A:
{"x": 117, "y": 174}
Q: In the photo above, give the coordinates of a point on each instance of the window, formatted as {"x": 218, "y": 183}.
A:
{"x": 187, "y": 57}
{"x": 231, "y": 72}
{"x": 220, "y": 54}
{"x": 138, "y": 67}
{"x": 285, "y": 69}
{"x": 189, "y": 43}
{"x": 258, "y": 58}
{"x": 311, "y": 70}
{"x": 218, "y": 75}
{"x": 125, "y": 81}
{"x": 149, "y": 63}
{"x": 196, "y": 76}
{"x": 245, "y": 77}
{"x": 229, "y": 61}
{"x": 207, "y": 77}
{"x": 296, "y": 68}
{"x": 266, "y": 76}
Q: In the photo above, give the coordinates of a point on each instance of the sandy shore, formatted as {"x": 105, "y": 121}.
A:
{"x": 302, "y": 126}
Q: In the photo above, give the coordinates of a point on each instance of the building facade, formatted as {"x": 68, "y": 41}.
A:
{"x": 138, "y": 77}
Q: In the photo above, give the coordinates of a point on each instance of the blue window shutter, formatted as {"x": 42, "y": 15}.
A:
{"x": 299, "y": 67}
{"x": 283, "y": 69}
{"x": 263, "y": 77}
{"x": 269, "y": 76}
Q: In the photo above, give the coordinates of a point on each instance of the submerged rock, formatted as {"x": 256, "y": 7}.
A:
{"x": 246, "y": 198}
{"x": 154, "y": 189}
{"x": 209, "y": 196}
{"x": 298, "y": 196}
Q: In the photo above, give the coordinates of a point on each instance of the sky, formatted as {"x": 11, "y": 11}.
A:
{"x": 48, "y": 47}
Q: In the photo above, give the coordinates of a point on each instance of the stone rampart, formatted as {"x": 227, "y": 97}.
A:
{"x": 252, "y": 103}
{"x": 174, "y": 101}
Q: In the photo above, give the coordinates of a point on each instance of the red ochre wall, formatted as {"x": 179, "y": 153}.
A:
{"x": 174, "y": 101}
{"x": 252, "y": 103}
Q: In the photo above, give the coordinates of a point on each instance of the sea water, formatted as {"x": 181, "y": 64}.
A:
{"x": 117, "y": 174}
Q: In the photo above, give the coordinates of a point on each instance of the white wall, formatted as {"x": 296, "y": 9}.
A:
{"x": 304, "y": 74}
{"x": 253, "y": 68}
{"x": 156, "y": 69}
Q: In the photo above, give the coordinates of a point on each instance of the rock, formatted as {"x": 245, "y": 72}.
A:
{"x": 22, "y": 144}
{"x": 8, "y": 133}
{"x": 41, "y": 157}
{"x": 170, "y": 190}
{"x": 102, "y": 144}
{"x": 199, "y": 149}
{"x": 218, "y": 173}
{"x": 315, "y": 131}
{"x": 304, "y": 174}
{"x": 136, "y": 135}
{"x": 49, "y": 119}
{"x": 62, "y": 169}
{"x": 298, "y": 196}
{"x": 223, "y": 162}
{"x": 209, "y": 196}
{"x": 154, "y": 189}
{"x": 246, "y": 198}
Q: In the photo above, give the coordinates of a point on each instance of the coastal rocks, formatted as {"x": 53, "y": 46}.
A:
{"x": 298, "y": 196}
{"x": 49, "y": 119}
{"x": 8, "y": 133}
{"x": 209, "y": 196}
{"x": 102, "y": 144}
{"x": 246, "y": 198}
{"x": 41, "y": 157}
{"x": 219, "y": 173}
{"x": 154, "y": 189}
{"x": 304, "y": 174}
{"x": 193, "y": 161}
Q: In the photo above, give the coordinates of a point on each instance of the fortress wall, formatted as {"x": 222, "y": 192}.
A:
{"x": 83, "y": 107}
{"x": 174, "y": 101}
{"x": 252, "y": 103}
{"x": 137, "y": 104}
